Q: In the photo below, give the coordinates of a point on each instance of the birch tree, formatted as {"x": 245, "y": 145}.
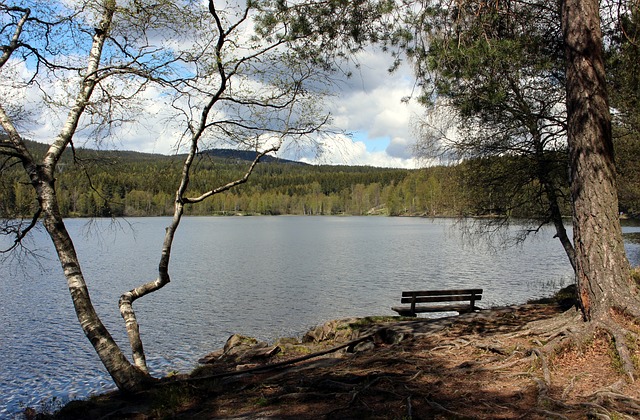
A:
{"x": 89, "y": 64}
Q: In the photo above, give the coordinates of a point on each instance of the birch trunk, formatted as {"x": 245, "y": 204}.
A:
{"x": 126, "y": 376}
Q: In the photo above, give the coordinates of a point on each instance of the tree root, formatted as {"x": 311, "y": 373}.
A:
{"x": 545, "y": 367}
{"x": 564, "y": 332}
{"x": 631, "y": 312}
{"x": 549, "y": 327}
{"x": 448, "y": 412}
{"x": 368, "y": 384}
{"x": 277, "y": 365}
{"x": 552, "y": 414}
{"x": 622, "y": 348}
{"x": 508, "y": 364}
{"x": 621, "y": 404}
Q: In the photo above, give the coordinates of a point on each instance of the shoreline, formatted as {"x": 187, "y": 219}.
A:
{"x": 479, "y": 365}
{"x": 358, "y": 338}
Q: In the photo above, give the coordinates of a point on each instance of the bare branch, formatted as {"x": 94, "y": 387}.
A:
{"x": 20, "y": 232}
{"x": 234, "y": 183}
{"x": 7, "y": 50}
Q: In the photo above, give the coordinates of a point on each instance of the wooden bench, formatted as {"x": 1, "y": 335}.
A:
{"x": 438, "y": 296}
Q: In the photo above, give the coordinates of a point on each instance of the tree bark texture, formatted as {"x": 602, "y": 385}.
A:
{"x": 127, "y": 377}
{"x": 602, "y": 269}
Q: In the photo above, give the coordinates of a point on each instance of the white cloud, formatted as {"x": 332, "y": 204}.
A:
{"x": 369, "y": 104}
{"x": 343, "y": 150}
{"x": 372, "y": 105}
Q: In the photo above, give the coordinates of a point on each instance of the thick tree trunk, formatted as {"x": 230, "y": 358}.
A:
{"x": 127, "y": 377}
{"x": 602, "y": 270}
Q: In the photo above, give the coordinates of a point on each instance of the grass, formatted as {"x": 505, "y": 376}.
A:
{"x": 171, "y": 399}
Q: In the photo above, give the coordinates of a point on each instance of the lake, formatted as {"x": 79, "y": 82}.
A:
{"x": 265, "y": 277}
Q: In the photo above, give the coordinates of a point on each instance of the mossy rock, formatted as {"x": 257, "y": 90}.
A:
{"x": 335, "y": 330}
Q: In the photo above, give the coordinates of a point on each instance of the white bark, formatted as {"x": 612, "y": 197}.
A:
{"x": 125, "y": 375}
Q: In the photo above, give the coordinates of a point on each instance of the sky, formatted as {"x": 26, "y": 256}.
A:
{"x": 372, "y": 110}
{"x": 368, "y": 107}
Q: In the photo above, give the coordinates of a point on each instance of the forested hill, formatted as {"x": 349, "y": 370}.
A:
{"x": 246, "y": 155}
{"x": 120, "y": 183}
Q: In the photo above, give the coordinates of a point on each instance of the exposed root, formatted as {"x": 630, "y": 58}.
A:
{"x": 632, "y": 312}
{"x": 550, "y": 327}
{"x": 277, "y": 365}
{"x": 569, "y": 387}
{"x": 608, "y": 403}
{"x": 551, "y": 330}
{"x": 552, "y": 415}
{"x": 620, "y": 403}
{"x": 508, "y": 364}
{"x": 491, "y": 348}
{"x": 544, "y": 365}
{"x": 619, "y": 335}
{"x": 448, "y": 412}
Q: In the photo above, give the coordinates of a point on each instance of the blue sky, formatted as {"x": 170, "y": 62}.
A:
{"x": 377, "y": 144}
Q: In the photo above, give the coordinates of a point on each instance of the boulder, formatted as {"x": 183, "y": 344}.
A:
{"x": 240, "y": 349}
{"x": 337, "y": 330}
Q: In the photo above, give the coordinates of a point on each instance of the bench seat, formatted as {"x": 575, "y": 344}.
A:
{"x": 433, "y": 297}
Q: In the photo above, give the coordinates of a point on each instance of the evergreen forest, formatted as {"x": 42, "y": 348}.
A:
{"x": 116, "y": 183}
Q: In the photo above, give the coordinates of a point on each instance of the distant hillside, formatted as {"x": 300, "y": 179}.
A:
{"x": 228, "y": 155}
{"x": 127, "y": 183}
{"x": 246, "y": 155}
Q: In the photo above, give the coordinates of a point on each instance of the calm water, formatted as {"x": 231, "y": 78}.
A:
{"x": 266, "y": 277}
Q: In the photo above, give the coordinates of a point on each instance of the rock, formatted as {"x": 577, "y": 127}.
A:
{"x": 238, "y": 343}
{"x": 247, "y": 366}
{"x": 211, "y": 357}
{"x": 261, "y": 352}
{"x": 240, "y": 349}
{"x": 318, "y": 334}
{"x": 283, "y": 341}
{"x": 337, "y": 330}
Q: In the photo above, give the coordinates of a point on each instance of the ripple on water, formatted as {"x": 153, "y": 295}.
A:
{"x": 265, "y": 277}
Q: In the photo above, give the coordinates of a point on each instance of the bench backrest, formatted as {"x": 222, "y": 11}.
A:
{"x": 425, "y": 296}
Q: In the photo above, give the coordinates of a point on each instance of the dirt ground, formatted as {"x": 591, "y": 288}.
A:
{"x": 483, "y": 365}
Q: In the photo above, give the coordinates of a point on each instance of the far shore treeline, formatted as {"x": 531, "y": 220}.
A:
{"x": 117, "y": 183}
